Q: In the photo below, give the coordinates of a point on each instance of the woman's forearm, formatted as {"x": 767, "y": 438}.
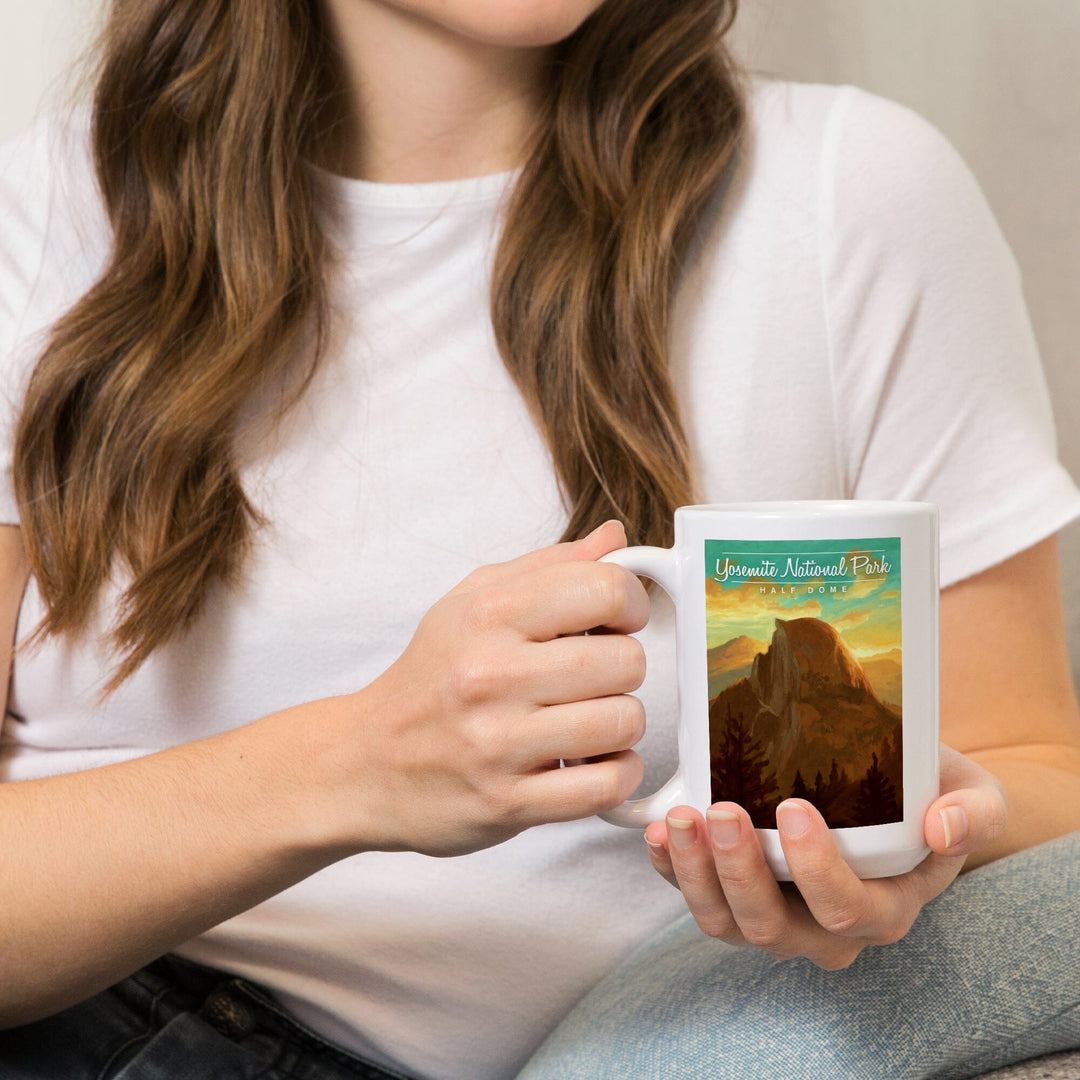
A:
{"x": 450, "y": 750}
{"x": 1042, "y": 784}
{"x": 103, "y": 870}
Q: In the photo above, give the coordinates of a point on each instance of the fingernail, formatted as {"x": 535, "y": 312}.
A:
{"x": 792, "y": 820}
{"x": 681, "y": 833}
{"x": 723, "y": 828}
{"x": 955, "y": 823}
{"x": 656, "y": 849}
{"x": 610, "y": 521}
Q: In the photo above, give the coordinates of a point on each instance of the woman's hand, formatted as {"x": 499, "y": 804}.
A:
{"x": 720, "y": 868}
{"x": 458, "y": 744}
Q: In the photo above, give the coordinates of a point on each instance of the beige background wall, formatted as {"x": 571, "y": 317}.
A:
{"x": 997, "y": 76}
{"x": 38, "y": 41}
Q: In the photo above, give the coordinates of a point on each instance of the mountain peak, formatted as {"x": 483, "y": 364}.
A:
{"x": 821, "y": 653}
{"x": 808, "y": 698}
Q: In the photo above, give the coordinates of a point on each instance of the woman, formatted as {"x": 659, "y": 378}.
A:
{"x": 278, "y": 461}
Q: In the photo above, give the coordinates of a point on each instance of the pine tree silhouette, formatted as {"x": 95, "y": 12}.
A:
{"x": 839, "y": 782}
{"x": 827, "y": 795}
{"x": 877, "y": 802}
{"x": 892, "y": 757}
{"x": 741, "y": 773}
{"x": 799, "y": 790}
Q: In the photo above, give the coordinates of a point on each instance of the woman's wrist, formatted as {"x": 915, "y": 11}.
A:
{"x": 113, "y": 866}
{"x": 305, "y": 769}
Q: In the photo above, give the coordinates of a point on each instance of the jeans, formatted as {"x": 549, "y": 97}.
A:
{"x": 990, "y": 974}
{"x": 175, "y": 1020}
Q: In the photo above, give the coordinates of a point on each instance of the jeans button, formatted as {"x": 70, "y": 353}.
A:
{"x": 227, "y": 1015}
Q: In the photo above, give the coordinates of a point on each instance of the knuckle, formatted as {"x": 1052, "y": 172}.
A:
{"x": 631, "y": 662}
{"x": 630, "y": 720}
{"x": 638, "y": 606}
{"x": 617, "y": 780}
{"x": 844, "y": 921}
{"x": 740, "y": 881}
{"x": 609, "y": 591}
{"x": 475, "y": 679}
{"x": 715, "y": 925}
{"x": 484, "y": 610}
{"x": 503, "y": 803}
{"x": 486, "y": 741}
{"x": 815, "y": 873}
{"x": 771, "y": 936}
{"x": 607, "y": 789}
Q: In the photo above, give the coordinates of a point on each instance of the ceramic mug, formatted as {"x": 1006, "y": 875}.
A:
{"x": 807, "y": 658}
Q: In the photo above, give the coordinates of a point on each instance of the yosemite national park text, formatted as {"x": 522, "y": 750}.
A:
{"x": 847, "y": 568}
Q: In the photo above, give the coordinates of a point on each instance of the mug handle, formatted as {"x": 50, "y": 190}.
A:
{"x": 661, "y": 565}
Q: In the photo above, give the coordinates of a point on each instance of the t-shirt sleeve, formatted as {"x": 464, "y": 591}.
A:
{"x": 940, "y": 394}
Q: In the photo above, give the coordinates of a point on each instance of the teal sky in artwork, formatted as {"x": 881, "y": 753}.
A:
{"x": 853, "y": 584}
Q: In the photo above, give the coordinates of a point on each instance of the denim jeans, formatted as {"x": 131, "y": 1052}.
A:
{"x": 175, "y": 1020}
{"x": 989, "y": 975}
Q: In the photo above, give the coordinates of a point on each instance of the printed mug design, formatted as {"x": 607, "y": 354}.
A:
{"x": 805, "y": 664}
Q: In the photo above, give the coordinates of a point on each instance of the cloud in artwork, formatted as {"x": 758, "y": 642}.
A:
{"x": 852, "y": 619}
{"x": 873, "y": 637}
{"x": 745, "y": 609}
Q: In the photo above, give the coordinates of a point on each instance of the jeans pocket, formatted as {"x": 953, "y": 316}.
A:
{"x": 82, "y": 1042}
{"x": 188, "y": 1048}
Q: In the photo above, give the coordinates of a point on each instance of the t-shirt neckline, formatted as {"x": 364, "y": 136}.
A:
{"x": 432, "y": 194}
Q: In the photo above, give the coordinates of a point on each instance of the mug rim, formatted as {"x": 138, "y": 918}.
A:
{"x": 809, "y": 507}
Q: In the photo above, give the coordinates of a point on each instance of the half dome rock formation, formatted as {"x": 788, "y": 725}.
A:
{"x": 808, "y": 705}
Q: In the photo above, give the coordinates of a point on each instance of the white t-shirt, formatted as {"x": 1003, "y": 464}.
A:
{"x": 851, "y": 325}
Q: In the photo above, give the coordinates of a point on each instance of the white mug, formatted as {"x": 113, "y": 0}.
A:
{"x": 807, "y": 656}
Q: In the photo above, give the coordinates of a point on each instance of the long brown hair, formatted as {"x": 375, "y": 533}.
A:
{"x": 204, "y": 114}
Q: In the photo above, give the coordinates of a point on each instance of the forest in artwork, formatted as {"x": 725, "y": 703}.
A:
{"x": 812, "y": 710}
